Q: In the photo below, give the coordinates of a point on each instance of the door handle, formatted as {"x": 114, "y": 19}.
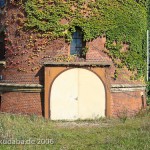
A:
{"x": 76, "y": 98}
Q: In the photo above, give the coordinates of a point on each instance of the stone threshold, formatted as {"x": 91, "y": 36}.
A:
{"x": 13, "y": 87}
{"x": 127, "y": 87}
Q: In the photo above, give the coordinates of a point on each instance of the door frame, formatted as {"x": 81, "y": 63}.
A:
{"x": 53, "y": 70}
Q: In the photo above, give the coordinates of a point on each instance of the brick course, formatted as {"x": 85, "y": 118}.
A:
{"x": 25, "y": 103}
{"x": 127, "y": 102}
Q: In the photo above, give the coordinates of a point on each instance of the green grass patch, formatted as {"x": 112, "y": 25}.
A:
{"x": 101, "y": 134}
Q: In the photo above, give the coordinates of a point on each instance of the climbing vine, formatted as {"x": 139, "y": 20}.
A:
{"x": 121, "y": 21}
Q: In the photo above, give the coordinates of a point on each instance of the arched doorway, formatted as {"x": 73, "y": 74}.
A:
{"x": 77, "y": 94}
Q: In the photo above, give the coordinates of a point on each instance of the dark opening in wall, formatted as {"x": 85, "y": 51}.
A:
{"x": 2, "y": 46}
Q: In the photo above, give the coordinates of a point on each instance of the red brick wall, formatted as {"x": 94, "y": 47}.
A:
{"x": 128, "y": 103}
{"x": 28, "y": 51}
{"x": 25, "y": 103}
{"x": 24, "y": 64}
{"x": 95, "y": 52}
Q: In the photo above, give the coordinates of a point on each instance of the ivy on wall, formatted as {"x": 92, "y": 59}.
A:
{"x": 121, "y": 21}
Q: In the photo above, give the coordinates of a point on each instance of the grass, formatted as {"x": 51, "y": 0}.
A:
{"x": 101, "y": 134}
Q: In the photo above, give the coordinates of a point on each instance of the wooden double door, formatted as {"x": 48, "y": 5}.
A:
{"x": 77, "y": 94}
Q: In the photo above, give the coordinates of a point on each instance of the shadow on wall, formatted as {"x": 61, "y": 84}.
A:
{"x": 40, "y": 75}
{"x": 42, "y": 102}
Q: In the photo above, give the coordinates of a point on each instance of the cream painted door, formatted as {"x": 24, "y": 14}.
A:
{"x": 77, "y": 94}
{"x": 64, "y": 94}
{"x": 91, "y": 95}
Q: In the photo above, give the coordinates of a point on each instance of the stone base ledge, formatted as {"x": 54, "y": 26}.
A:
{"x": 127, "y": 87}
{"x": 11, "y": 87}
